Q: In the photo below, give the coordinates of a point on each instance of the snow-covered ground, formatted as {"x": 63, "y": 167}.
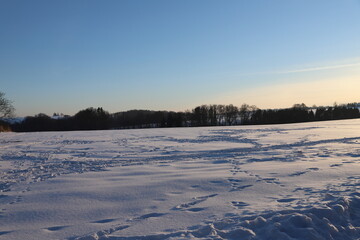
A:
{"x": 295, "y": 181}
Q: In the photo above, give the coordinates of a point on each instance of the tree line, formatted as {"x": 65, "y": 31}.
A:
{"x": 204, "y": 115}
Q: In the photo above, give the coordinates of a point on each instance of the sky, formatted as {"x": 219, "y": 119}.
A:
{"x": 64, "y": 56}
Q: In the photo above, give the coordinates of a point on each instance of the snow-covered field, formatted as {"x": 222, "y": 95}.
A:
{"x": 295, "y": 181}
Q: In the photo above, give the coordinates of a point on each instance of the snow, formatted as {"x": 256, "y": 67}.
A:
{"x": 293, "y": 181}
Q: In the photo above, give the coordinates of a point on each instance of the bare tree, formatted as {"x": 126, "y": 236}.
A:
{"x": 6, "y": 107}
{"x": 246, "y": 111}
{"x": 231, "y": 113}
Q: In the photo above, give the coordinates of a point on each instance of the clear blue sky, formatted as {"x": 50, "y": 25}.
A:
{"x": 66, "y": 55}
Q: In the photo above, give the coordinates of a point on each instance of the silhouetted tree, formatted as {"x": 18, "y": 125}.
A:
{"x": 220, "y": 110}
{"x": 40, "y": 122}
{"x": 213, "y": 114}
{"x": 200, "y": 116}
{"x": 245, "y": 112}
{"x": 6, "y": 107}
{"x": 231, "y": 113}
{"x": 92, "y": 119}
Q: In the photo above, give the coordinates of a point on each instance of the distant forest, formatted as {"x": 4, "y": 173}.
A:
{"x": 205, "y": 115}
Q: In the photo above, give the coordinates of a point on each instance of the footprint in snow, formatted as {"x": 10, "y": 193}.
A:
{"x": 232, "y": 180}
{"x": 303, "y": 172}
{"x": 240, "y": 188}
{"x": 239, "y": 204}
{"x": 286, "y": 200}
{"x": 297, "y": 173}
{"x": 336, "y": 165}
{"x": 236, "y": 185}
{"x": 270, "y": 180}
{"x": 150, "y": 215}
{"x": 17, "y": 200}
{"x": 314, "y": 169}
{"x": 55, "y": 228}
{"x": 197, "y": 200}
{"x": 195, "y": 209}
{"x": 105, "y": 220}
{"x": 219, "y": 161}
{"x": 5, "y": 232}
{"x": 175, "y": 193}
{"x": 216, "y": 182}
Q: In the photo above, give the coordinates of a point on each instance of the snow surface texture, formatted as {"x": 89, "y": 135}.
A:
{"x": 295, "y": 181}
